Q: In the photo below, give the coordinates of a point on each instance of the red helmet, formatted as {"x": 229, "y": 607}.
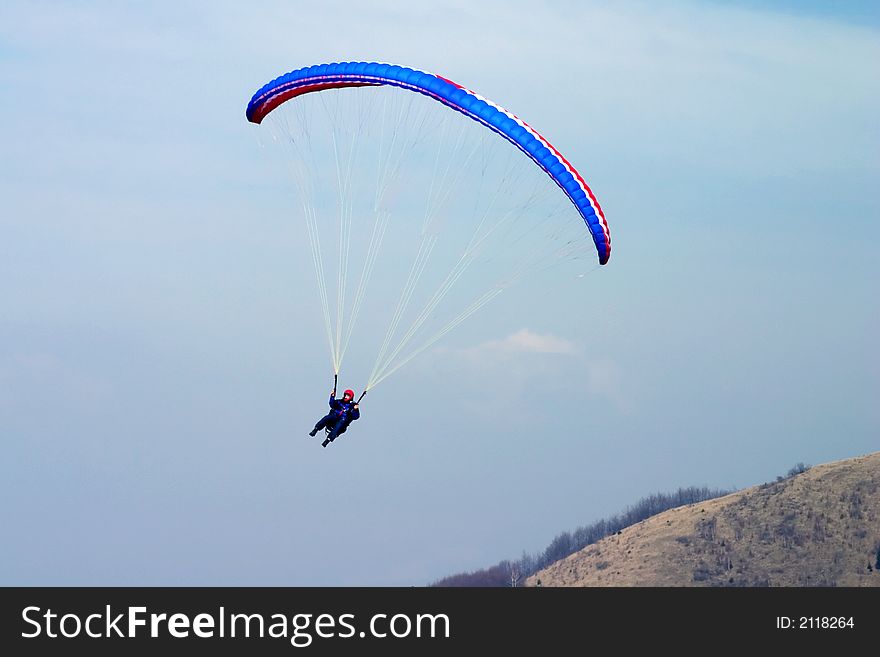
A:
{"x": 350, "y": 394}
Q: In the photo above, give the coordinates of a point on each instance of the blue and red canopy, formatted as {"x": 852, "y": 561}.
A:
{"x": 358, "y": 74}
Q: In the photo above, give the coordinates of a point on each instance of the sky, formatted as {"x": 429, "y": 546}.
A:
{"x": 161, "y": 356}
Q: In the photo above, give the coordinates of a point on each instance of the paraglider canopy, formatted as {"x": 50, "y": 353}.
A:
{"x": 359, "y": 74}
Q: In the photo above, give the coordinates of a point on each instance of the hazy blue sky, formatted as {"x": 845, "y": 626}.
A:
{"x": 159, "y": 360}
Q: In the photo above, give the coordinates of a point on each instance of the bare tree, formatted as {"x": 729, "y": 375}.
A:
{"x": 515, "y": 574}
{"x": 706, "y": 529}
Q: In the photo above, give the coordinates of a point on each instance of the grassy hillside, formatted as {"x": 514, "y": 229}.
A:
{"x": 817, "y": 528}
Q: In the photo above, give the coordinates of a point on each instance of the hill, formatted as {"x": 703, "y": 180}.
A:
{"x": 817, "y": 528}
{"x": 513, "y": 573}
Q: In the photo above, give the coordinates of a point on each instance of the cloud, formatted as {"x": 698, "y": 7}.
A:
{"x": 499, "y": 364}
{"x": 510, "y": 367}
{"x": 525, "y": 340}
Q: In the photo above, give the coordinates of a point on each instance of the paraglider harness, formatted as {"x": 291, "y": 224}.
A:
{"x": 328, "y": 430}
